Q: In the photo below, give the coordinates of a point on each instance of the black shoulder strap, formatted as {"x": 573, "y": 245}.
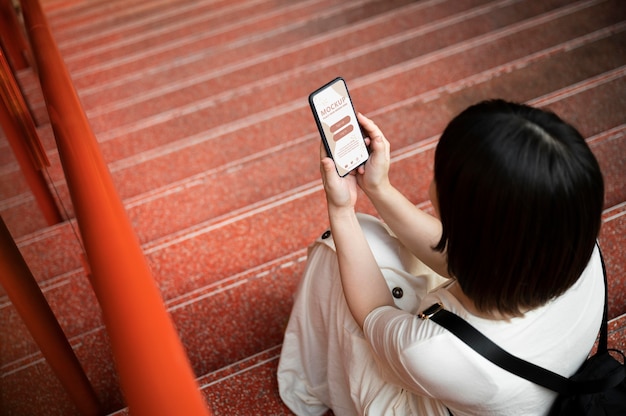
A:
{"x": 538, "y": 375}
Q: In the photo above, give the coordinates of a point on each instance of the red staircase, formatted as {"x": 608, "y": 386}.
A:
{"x": 201, "y": 113}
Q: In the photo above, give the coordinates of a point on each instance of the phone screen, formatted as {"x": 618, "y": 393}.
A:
{"x": 338, "y": 126}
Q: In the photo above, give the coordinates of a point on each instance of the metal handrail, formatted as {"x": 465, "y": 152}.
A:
{"x": 31, "y": 305}
{"x": 154, "y": 370}
{"x": 22, "y": 136}
{"x": 12, "y": 37}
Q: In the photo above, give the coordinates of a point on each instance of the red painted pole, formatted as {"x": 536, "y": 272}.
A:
{"x": 32, "y": 306}
{"x": 11, "y": 36}
{"x": 154, "y": 370}
{"x": 20, "y": 131}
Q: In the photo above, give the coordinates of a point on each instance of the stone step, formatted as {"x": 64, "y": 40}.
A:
{"x": 198, "y": 104}
{"x": 200, "y": 153}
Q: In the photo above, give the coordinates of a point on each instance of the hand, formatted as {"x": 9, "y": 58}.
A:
{"x": 340, "y": 192}
{"x": 375, "y": 174}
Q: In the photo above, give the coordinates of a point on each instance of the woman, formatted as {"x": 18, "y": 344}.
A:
{"x": 518, "y": 199}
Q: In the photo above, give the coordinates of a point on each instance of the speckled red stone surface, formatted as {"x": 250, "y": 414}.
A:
{"x": 200, "y": 108}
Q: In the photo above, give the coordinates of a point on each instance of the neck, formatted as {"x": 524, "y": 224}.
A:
{"x": 470, "y": 306}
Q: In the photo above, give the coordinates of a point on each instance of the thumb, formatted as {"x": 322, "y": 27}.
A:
{"x": 327, "y": 169}
{"x": 379, "y": 152}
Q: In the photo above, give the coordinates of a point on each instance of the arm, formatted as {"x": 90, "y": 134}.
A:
{"x": 363, "y": 284}
{"x": 417, "y": 230}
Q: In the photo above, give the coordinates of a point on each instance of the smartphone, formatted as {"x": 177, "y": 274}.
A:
{"x": 337, "y": 123}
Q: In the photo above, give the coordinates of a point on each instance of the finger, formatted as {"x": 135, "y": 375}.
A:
{"x": 376, "y": 140}
{"x": 373, "y": 131}
{"x": 328, "y": 171}
{"x": 367, "y": 123}
{"x": 323, "y": 153}
{"x": 379, "y": 149}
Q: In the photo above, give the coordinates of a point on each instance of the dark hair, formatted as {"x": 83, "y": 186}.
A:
{"x": 520, "y": 197}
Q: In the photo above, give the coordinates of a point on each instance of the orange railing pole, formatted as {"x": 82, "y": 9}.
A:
{"x": 154, "y": 371}
{"x": 32, "y": 306}
{"x": 20, "y": 131}
{"x": 11, "y": 36}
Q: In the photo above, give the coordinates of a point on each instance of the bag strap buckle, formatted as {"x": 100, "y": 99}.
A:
{"x": 430, "y": 311}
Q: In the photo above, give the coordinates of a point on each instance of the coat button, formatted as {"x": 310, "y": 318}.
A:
{"x": 326, "y": 234}
{"x": 397, "y": 292}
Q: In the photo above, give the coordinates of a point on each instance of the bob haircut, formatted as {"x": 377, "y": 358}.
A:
{"x": 520, "y": 198}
